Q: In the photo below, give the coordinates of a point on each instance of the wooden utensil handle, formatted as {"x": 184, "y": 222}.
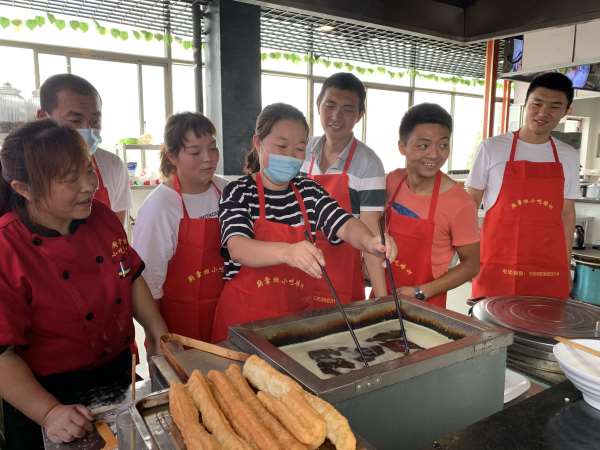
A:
{"x": 205, "y": 347}
{"x": 110, "y": 441}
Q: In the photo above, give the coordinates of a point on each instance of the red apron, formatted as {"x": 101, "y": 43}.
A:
{"x": 347, "y": 277}
{"x": 414, "y": 238}
{"x": 101, "y": 193}
{"x": 194, "y": 277}
{"x": 523, "y": 250}
{"x": 266, "y": 292}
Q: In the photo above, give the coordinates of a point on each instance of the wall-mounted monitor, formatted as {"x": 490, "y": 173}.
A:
{"x": 577, "y": 74}
{"x": 513, "y": 54}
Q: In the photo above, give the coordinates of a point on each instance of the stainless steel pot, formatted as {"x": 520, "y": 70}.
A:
{"x": 586, "y": 285}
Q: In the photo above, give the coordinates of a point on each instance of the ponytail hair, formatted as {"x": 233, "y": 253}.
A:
{"x": 265, "y": 122}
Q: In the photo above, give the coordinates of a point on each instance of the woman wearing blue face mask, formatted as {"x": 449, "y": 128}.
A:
{"x": 269, "y": 264}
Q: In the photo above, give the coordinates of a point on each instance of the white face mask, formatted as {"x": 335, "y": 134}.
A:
{"x": 92, "y": 138}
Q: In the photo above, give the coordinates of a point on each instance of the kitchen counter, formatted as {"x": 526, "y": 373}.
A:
{"x": 555, "y": 419}
{"x": 588, "y": 200}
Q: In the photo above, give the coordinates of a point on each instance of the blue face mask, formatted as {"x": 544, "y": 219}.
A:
{"x": 92, "y": 138}
{"x": 281, "y": 169}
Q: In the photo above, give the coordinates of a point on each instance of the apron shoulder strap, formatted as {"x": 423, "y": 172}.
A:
{"x": 261, "y": 196}
{"x": 177, "y": 186}
{"x": 350, "y": 155}
{"x": 554, "y": 149}
{"x": 435, "y": 196}
{"x": 300, "y": 201}
{"x": 513, "y": 148}
{"x": 98, "y": 173}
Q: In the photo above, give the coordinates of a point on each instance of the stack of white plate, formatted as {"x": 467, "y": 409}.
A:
{"x": 582, "y": 369}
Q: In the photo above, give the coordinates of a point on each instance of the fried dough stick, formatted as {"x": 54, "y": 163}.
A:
{"x": 291, "y": 420}
{"x": 185, "y": 416}
{"x": 212, "y": 416}
{"x": 284, "y": 437}
{"x": 242, "y": 417}
{"x": 338, "y": 428}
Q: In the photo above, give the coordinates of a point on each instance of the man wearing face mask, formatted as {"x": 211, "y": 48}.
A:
{"x": 73, "y": 101}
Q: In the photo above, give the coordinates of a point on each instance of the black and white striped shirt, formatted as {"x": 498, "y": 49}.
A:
{"x": 238, "y": 209}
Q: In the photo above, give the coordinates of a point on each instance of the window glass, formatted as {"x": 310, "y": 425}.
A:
{"x": 184, "y": 90}
{"x": 497, "y": 118}
{"x": 89, "y": 36}
{"x": 514, "y": 117}
{"x": 117, "y": 84}
{"x": 275, "y": 89}
{"x": 51, "y": 65}
{"x": 281, "y": 61}
{"x": 384, "y": 112}
{"x": 178, "y": 51}
{"x": 444, "y": 100}
{"x": 466, "y": 136}
{"x": 153, "y": 82}
{"x": 18, "y": 102}
{"x": 317, "y": 128}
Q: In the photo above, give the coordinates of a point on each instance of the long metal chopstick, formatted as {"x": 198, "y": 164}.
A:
{"x": 339, "y": 304}
{"x": 388, "y": 266}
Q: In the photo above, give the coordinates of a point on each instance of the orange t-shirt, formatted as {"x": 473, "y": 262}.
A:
{"x": 455, "y": 219}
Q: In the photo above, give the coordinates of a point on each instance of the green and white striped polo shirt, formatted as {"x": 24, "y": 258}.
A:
{"x": 366, "y": 174}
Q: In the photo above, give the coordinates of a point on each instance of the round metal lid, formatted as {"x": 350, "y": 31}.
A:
{"x": 540, "y": 316}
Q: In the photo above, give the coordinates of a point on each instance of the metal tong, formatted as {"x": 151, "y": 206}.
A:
{"x": 390, "y": 274}
{"x": 339, "y": 304}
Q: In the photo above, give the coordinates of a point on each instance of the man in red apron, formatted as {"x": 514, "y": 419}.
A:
{"x": 73, "y": 101}
{"x": 429, "y": 215}
{"x": 532, "y": 180}
{"x": 352, "y": 174}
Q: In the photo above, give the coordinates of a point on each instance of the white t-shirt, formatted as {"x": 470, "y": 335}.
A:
{"x": 488, "y": 169}
{"x": 156, "y": 227}
{"x": 115, "y": 178}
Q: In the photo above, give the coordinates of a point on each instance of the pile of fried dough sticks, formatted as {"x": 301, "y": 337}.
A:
{"x": 223, "y": 411}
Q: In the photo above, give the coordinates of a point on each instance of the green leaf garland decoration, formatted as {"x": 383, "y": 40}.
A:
{"x": 39, "y": 21}
{"x": 317, "y": 59}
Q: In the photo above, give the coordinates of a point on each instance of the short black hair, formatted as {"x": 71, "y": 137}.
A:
{"x": 346, "y": 82}
{"x": 423, "y": 113}
{"x": 63, "y": 81}
{"x": 555, "y": 81}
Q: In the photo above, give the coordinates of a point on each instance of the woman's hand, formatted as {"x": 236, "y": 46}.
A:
{"x": 304, "y": 256}
{"x": 64, "y": 423}
{"x": 373, "y": 246}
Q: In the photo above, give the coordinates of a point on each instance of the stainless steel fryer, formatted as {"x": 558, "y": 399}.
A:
{"x": 408, "y": 402}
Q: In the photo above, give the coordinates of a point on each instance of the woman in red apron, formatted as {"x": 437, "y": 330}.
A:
{"x": 348, "y": 278}
{"x": 177, "y": 230}
{"x": 69, "y": 289}
{"x": 429, "y": 215}
{"x": 523, "y": 242}
{"x": 265, "y": 218}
